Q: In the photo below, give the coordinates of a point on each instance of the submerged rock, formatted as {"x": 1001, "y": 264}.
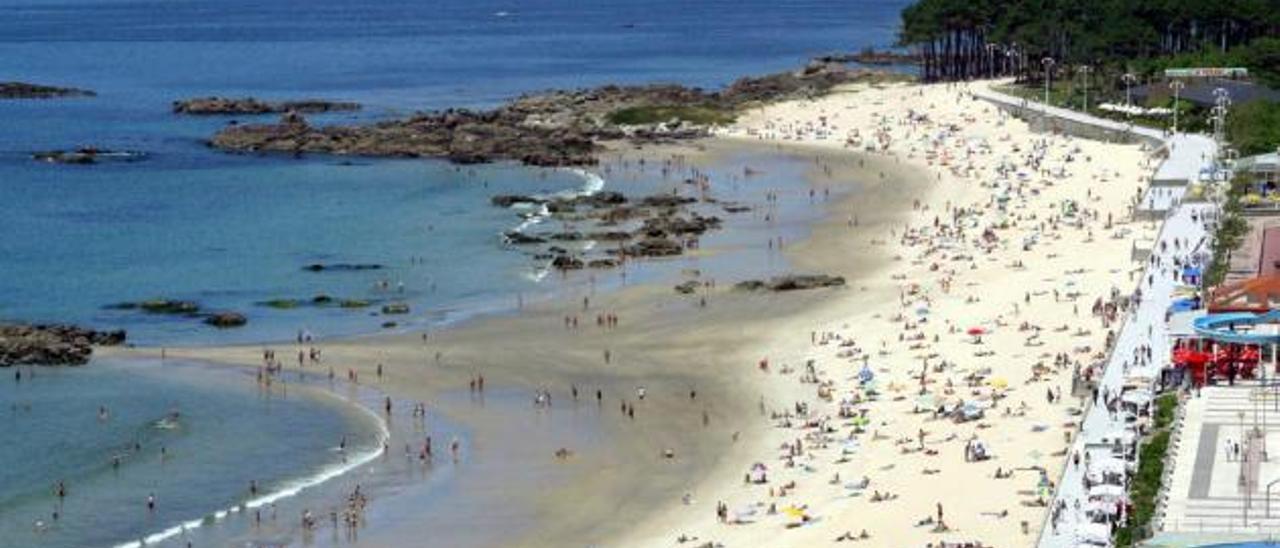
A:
{"x": 395, "y": 308}
{"x": 321, "y": 267}
{"x": 52, "y": 344}
{"x": 224, "y": 320}
{"x": 87, "y": 155}
{"x": 24, "y": 90}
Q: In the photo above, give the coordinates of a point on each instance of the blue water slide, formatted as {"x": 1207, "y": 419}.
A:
{"x": 1219, "y": 327}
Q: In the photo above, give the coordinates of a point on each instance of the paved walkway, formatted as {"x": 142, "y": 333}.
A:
{"x": 1188, "y": 157}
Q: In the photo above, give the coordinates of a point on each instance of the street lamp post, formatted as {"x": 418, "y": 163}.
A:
{"x": 1176, "y": 86}
{"x": 1222, "y": 102}
{"x": 1129, "y": 78}
{"x": 1047, "y": 63}
{"x": 1086, "y": 69}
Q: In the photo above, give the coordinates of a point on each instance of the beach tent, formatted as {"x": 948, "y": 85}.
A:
{"x": 1094, "y": 534}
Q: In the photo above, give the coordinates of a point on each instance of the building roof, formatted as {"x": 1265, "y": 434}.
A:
{"x": 1261, "y": 163}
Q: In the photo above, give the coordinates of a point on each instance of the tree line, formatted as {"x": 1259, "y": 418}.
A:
{"x": 965, "y": 39}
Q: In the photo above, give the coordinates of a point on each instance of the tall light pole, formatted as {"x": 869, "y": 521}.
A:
{"x": 1129, "y": 78}
{"x": 1047, "y": 63}
{"x": 1222, "y": 102}
{"x": 1176, "y": 86}
{"x": 1086, "y": 69}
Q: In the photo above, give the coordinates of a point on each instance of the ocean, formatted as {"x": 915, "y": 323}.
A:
{"x": 231, "y": 232}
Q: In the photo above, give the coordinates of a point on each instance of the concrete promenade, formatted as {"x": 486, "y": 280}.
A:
{"x": 1188, "y": 157}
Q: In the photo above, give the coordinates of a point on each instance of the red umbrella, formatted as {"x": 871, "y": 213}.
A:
{"x": 975, "y": 331}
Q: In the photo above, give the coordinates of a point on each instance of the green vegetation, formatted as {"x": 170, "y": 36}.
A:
{"x": 1254, "y": 127}
{"x": 1146, "y": 482}
{"x": 1231, "y": 231}
{"x": 656, "y": 114}
{"x": 952, "y": 36}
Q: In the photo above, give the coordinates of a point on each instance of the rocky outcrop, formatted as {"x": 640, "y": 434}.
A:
{"x": 250, "y": 105}
{"x": 87, "y": 155}
{"x": 871, "y": 56}
{"x": 557, "y": 128}
{"x": 688, "y": 287}
{"x": 515, "y": 237}
{"x": 23, "y": 90}
{"x": 651, "y": 247}
{"x": 23, "y": 344}
{"x": 791, "y": 282}
{"x": 223, "y": 320}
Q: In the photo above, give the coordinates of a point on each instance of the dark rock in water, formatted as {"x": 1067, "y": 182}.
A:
{"x": 567, "y": 262}
{"x": 166, "y": 306}
{"x": 651, "y": 247}
{"x": 395, "y": 308}
{"x": 736, "y": 208}
{"x": 282, "y": 304}
{"x": 389, "y": 325}
{"x": 519, "y": 238}
{"x": 666, "y": 200}
{"x": 603, "y": 263}
{"x": 249, "y": 105}
{"x": 609, "y": 236}
{"x": 353, "y": 303}
{"x": 664, "y": 225}
{"x": 86, "y": 155}
{"x": 224, "y": 320}
{"x": 23, "y": 90}
{"x": 568, "y": 236}
{"x": 321, "y": 267}
{"x": 23, "y": 344}
{"x": 321, "y": 299}
{"x": 688, "y": 288}
{"x": 508, "y": 200}
{"x": 792, "y": 282}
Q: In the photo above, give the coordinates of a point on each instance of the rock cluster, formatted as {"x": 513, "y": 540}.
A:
{"x": 791, "y": 282}
{"x": 250, "y": 105}
{"x": 86, "y": 155}
{"x": 557, "y": 128}
{"x": 53, "y": 344}
{"x": 23, "y": 90}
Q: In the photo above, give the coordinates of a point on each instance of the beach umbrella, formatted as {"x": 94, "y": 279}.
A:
{"x": 975, "y": 331}
{"x": 793, "y": 512}
{"x": 999, "y": 383}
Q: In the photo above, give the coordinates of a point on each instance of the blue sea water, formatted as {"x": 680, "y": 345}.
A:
{"x": 230, "y": 231}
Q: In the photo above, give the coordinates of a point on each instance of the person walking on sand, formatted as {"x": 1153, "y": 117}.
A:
{"x": 151, "y": 502}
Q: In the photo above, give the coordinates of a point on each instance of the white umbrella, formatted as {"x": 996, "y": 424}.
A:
{"x": 1106, "y": 491}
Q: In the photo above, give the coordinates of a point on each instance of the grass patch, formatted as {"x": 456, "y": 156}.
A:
{"x": 1146, "y": 482}
{"x": 656, "y": 114}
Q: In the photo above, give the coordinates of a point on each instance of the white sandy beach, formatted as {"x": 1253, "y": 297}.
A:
{"x": 1013, "y": 234}
{"x": 997, "y": 245}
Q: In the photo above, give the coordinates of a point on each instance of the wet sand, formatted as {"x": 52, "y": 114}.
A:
{"x": 665, "y": 342}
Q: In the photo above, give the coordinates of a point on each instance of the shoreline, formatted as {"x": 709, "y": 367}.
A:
{"x": 644, "y": 304}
